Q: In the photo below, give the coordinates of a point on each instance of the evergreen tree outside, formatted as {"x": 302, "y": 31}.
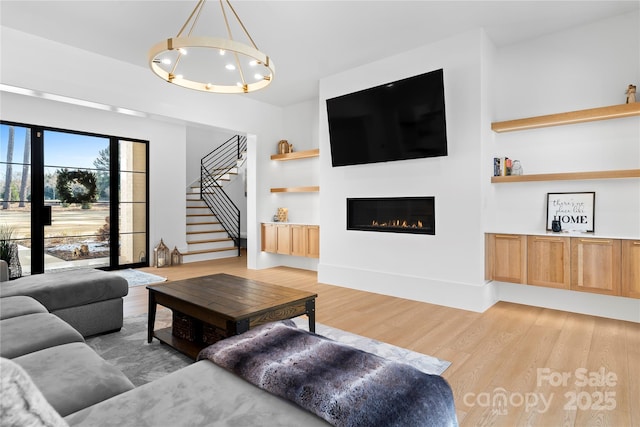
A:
{"x": 102, "y": 174}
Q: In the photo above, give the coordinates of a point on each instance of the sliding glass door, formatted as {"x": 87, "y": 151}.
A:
{"x": 84, "y": 203}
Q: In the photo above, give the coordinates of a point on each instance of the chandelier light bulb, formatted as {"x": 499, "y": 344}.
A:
{"x": 230, "y": 67}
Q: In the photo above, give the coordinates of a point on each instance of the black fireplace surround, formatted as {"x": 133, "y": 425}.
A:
{"x": 415, "y": 215}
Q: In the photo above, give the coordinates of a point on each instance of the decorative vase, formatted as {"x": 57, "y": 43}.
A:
{"x": 556, "y": 226}
{"x": 516, "y": 168}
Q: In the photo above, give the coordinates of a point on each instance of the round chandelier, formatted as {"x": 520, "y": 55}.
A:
{"x": 211, "y": 64}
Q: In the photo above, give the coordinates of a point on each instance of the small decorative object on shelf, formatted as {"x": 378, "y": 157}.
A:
{"x": 631, "y": 94}
{"x": 516, "y": 168}
{"x": 556, "y": 225}
{"x": 283, "y": 214}
{"x": 502, "y": 166}
{"x": 176, "y": 256}
{"x": 284, "y": 147}
{"x": 161, "y": 255}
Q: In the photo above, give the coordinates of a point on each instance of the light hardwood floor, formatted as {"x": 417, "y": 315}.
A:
{"x": 513, "y": 365}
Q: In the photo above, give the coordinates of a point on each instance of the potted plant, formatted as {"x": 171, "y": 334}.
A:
{"x": 9, "y": 252}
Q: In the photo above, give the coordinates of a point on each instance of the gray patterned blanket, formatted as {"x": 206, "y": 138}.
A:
{"x": 341, "y": 384}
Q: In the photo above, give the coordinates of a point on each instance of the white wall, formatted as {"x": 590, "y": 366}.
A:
{"x": 584, "y": 67}
{"x": 31, "y": 62}
{"x": 300, "y": 128}
{"x": 447, "y": 268}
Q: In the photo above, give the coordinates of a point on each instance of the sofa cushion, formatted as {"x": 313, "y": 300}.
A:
{"x": 68, "y": 288}
{"x": 19, "y": 306}
{"x": 22, "y": 404}
{"x": 72, "y": 376}
{"x": 202, "y": 394}
{"x": 32, "y": 332}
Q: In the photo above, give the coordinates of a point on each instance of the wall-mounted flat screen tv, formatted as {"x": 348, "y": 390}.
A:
{"x": 400, "y": 120}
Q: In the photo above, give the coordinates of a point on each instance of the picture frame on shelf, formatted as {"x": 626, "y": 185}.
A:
{"x": 575, "y": 211}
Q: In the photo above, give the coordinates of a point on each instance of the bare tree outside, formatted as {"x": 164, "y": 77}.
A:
{"x": 7, "y": 182}
{"x": 26, "y": 159}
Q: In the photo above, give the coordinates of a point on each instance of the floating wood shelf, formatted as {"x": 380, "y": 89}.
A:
{"x": 297, "y": 155}
{"x": 628, "y": 173}
{"x": 590, "y": 115}
{"x": 296, "y": 190}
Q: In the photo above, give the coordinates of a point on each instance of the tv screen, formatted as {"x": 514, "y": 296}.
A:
{"x": 401, "y": 120}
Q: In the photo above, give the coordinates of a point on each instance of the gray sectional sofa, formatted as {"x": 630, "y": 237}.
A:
{"x": 51, "y": 377}
{"x": 89, "y": 300}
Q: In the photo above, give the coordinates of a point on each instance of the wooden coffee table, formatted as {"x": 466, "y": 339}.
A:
{"x": 225, "y": 303}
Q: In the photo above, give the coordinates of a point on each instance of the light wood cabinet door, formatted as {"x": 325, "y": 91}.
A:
{"x": 507, "y": 260}
{"x": 298, "y": 240}
{"x": 269, "y": 238}
{"x": 595, "y": 265}
{"x": 312, "y": 233}
{"x": 631, "y": 268}
{"x": 549, "y": 261}
{"x": 283, "y": 245}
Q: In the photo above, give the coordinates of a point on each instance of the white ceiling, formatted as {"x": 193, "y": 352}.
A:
{"x": 307, "y": 40}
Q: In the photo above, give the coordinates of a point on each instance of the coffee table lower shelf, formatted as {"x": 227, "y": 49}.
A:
{"x": 190, "y": 348}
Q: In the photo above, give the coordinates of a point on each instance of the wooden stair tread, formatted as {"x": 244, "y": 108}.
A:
{"x": 203, "y": 223}
{"x": 198, "y": 242}
{"x": 206, "y": 251}
{"x": 205, "y": 232}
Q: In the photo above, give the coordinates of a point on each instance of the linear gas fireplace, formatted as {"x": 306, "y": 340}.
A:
{"x": 392, "y": 214}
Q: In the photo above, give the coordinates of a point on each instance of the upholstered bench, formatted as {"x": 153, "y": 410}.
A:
{"x": 89, "y": 300}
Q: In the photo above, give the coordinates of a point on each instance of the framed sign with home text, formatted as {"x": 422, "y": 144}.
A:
{"x": 574, "y": 211}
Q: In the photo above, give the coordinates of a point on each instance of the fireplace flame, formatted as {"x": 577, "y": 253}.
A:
{"x": 398, "y": 223}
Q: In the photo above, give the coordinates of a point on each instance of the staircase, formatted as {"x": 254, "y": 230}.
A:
{"x": 213, "y": 219}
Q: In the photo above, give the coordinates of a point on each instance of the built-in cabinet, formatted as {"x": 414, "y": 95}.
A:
{"x": 507, "y": 258}
{"x": 291, "y": 239}
{"x": 597, "y": 265}
{"x": 548, "y": 261}
{"x": 631, "y": 268}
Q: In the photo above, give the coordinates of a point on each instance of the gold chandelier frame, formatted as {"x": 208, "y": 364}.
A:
{"x": 182, "y": 44}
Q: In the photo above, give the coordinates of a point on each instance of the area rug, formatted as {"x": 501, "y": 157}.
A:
{"x": 139, "y": 278}
{"x": 142, "y": 362}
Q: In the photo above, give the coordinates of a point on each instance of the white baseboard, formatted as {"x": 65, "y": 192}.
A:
{"x": 611, "y": 307}
{"x": 480, "y": 297}
{"x": 451, "y": 294}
